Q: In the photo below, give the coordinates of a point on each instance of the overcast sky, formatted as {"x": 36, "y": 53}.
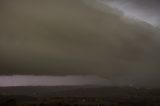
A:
{"x": 114, "y": 39}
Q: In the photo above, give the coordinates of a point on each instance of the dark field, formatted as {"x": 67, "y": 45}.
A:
{"x": 79, "y": 96}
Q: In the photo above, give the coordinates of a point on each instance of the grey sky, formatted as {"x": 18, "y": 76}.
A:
{"x": 145, "y": 10}
{"x": 32, "y": 80}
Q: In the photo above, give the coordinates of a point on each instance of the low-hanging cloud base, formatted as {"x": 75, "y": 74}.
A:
{"x": 73, "y": 37}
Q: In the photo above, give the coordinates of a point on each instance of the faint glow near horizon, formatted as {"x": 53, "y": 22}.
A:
{"x": 32, "y": 80}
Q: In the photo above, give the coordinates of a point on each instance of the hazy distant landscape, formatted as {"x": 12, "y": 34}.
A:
{"x": 78, "y": 96}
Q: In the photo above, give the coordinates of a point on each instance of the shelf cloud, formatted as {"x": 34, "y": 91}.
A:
{"x": 76, "y": 37}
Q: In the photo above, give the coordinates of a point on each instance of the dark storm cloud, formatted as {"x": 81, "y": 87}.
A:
{"x": 70, "y": 37}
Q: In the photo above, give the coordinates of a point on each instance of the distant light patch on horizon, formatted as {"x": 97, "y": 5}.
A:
{"x": 34, "y": 80}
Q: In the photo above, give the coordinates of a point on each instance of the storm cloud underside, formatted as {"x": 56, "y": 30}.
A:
{"x": 59, "y": 37}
